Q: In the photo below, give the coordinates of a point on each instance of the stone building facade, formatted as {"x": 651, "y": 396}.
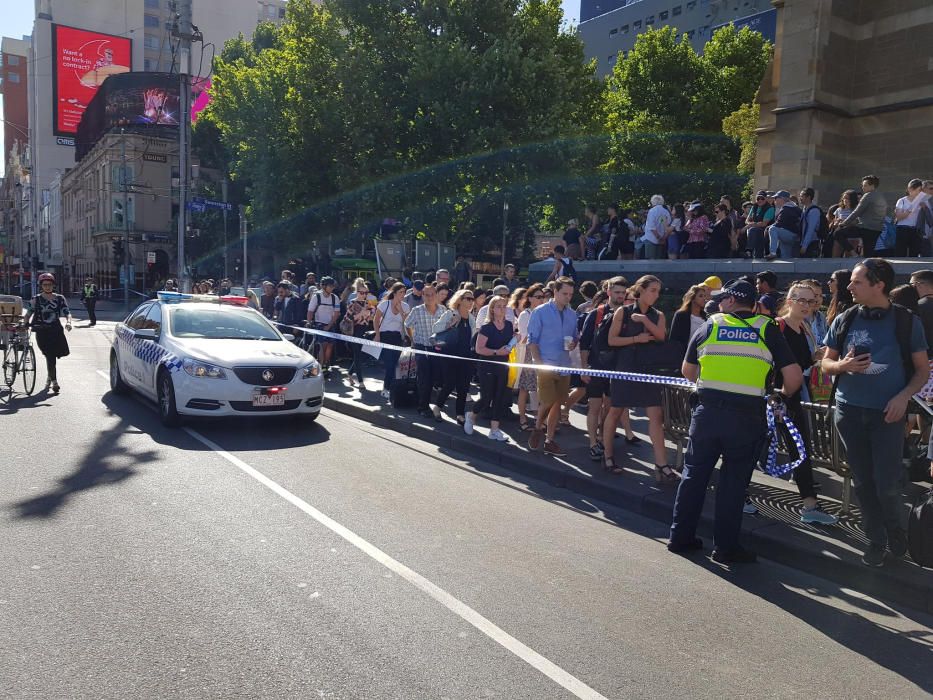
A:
{"x": 849, "y": 92}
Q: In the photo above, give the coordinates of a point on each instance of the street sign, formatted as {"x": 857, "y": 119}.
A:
{"x": 208, "y": 204}
{"x": 197, "y": 206}
{"x": 151, "y": 258}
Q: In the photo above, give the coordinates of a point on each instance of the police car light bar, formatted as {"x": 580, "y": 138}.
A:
{"x": 179, "y": 297}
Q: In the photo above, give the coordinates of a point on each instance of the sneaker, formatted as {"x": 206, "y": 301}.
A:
{"x": 817, "y": 516}
{"x": 596, "y": 454}
{"x": 897, "y": 543}
{"x": 683, "y": 547}
{"x": 498, "y": 435}
{"x": 734, "y": 556}
{"x": 535, "y": 439}
{"x": 553, "y": 449}
{"x": 385, "y": 394}
{"x": 874, "y": 556}
{"x": 468, "y": 424}
{"x": 55, "y": 387}
{"x": 436, "y": 412}
{"x": 749, "y": 508}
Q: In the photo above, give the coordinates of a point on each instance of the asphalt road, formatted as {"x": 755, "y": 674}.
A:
{"x": 274, "y": 559}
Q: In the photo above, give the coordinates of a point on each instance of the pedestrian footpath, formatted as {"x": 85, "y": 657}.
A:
{"x": 775, "y": 531}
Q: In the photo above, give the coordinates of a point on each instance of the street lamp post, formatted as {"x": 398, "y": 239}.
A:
{"x": 223, "y": 192}
{"x": 505, "y": 224}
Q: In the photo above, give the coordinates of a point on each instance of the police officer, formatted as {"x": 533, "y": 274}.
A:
{"x": 731, "y": 358}
{"x": 89, "y": 297}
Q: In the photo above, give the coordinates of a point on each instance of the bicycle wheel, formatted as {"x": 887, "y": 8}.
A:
{"x": 28, "y": 369}
{"x": 10, "y": 364}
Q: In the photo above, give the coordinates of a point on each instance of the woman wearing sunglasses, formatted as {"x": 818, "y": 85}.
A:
{"x": 457, "y": 368}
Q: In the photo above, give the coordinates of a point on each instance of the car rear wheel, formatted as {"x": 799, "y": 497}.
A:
{"x": 168, "y": 412}
{"x": 117, "y": 385}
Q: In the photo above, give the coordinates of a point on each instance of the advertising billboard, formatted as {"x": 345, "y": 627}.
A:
{"x": 81, "y": 62}
{"x": 131, "y": 100}
{"x": 763, "y": 22}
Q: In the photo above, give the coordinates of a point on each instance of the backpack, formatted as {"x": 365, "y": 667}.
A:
{"x": 903, "y": 331}
{"x": 567, "y": 269}
{"x": 602, "y": 355}
{"x": 920, "y": 531}
{"x": 817, "y": 248}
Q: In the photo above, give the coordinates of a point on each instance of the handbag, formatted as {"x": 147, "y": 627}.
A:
{"x": 444, "y": 339}
{"x": 820, "y": 385}
{"x": 347, "y": 325}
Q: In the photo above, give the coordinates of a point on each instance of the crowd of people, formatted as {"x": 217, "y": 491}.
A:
{"x": 776, "y": 224}
{"x": 803, "y": 335}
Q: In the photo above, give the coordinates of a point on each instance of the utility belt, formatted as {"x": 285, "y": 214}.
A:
{"x": 739, "y": 403}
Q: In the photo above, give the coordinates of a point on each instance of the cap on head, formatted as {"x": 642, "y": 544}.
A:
{"x": 694, "y": 206}
{"x": 740, "y": 290}
{"x": 418, "y": 284}
{"x": 713, "y": 282}
{"x": 782, "y": 194}
{"x": 761, "y": 193}
{"x": 328, "y": 281}
{"x": 500, "y": 290}
{"x": 46, "y": 277}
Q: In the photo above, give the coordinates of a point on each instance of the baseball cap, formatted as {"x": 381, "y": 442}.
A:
{"x": 769, "y": 303}
{"x": 712, "y": 307}
{"x": 418, "y": 284}
{"x": 761, "y": 193}
{"x": 782, "y": 194}
{"x": 740, "y": 289}
{"x": 713, "y": 282}
{"x": 500, "y": 290}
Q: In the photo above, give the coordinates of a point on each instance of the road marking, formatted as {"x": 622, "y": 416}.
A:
{"x": 497, "y": 634}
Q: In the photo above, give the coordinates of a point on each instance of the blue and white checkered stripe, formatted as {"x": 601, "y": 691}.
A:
{"x": 770, "y": 467}
{"x": 147, "y": 351}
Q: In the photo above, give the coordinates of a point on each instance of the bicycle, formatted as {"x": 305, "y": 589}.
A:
{"x": 19, "y": 357}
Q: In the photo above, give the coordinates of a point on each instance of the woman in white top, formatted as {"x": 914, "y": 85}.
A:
{"x": 389, "y": 325}
{"x": 906, "y": 211}
{"x": 527, "y": 380}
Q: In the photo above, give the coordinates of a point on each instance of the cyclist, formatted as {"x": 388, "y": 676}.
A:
{"x": 47, "y": 310}
{"x": 323, "y": 314}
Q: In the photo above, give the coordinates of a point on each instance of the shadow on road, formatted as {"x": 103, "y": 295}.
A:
{"x": 105, "y": 463}
{"x": 14, "y": 402}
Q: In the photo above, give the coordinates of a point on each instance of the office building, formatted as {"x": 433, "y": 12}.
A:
{"x": 75, "y": 46}
{"x": 15, "y": 56}
{"x": 609, "y": 36}
{"x": 849, "y": 93}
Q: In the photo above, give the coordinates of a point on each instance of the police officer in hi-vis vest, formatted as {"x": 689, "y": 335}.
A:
{"x": 731, "y": 359}
{"x": 89, "y": 297}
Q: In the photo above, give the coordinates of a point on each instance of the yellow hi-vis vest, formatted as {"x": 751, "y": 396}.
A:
{"x": 734, "y": 357}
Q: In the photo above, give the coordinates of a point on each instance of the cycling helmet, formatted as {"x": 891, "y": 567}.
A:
{"x": 46, "y": 277}
{"x": 328, "y": 280}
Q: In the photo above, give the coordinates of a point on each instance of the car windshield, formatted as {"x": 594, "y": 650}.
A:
{"x": 220, "y": 324}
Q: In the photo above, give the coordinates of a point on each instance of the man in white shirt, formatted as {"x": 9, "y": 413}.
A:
{"x": 323, "y": 313}
{"x": 906, "y": 214}
{"x": 657, "y": 229}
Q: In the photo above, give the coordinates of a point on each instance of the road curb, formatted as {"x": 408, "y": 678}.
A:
{"x": 898, "y": 582}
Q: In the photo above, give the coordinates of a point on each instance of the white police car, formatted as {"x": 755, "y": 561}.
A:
{"x": 198, "y": 355}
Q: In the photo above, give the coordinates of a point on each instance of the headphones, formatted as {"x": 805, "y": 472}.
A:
{"x": 872, "y": 313}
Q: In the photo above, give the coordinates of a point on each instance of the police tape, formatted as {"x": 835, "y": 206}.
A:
{"x": 771, "y": 465}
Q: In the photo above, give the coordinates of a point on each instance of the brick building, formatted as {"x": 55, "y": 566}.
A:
{"x": 849, "y": 92}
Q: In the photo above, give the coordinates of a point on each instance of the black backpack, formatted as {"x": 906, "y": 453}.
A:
{"x": 818, "y": 248}
{"x": 920, "y": 531}
{"x": 602, "y": 355}
{"x": 568, "y": 269}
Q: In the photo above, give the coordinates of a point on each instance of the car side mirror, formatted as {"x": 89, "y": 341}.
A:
{"x": 289, "y": 337}
{"x": 145, "y": 333}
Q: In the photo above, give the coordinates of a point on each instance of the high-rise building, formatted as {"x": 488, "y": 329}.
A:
{"x": 15, "y": 57}
{"x": 75, "y": 46}
{"x": 609, "y": 36}
{"x": 848, "y": 94}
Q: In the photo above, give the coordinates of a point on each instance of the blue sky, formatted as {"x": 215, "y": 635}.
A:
{"x": 17, "y": 16}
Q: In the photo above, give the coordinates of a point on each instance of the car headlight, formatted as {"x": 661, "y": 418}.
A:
{"x": 312, "y": 370}
{"x": 202, "y": 370}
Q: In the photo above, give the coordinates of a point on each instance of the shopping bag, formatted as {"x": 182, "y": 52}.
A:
{"x": 517, "y": 355}
{"x": 820, "y": 385}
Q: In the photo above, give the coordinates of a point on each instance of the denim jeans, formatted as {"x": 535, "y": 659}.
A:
{"x": 873, "y": 449}
{"x": 787, "y": 241}
{"x": 756, "y": 242}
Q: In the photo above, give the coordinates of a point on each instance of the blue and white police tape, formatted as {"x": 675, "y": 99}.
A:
{"x": 771, "y": 465}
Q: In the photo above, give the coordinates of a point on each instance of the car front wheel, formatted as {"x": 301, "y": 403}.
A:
{"x": 168, "y": 412}
{"x": 117, "y": 385}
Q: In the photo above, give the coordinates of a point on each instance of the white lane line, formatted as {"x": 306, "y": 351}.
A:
{"x": 497, "y": 634}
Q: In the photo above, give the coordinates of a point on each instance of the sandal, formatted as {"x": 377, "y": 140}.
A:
{"x": 610, "y": 466}
{"x": 665, "y": 475}
{"x": 634, "y": 440}
{"x": 524, "y": 427}
{"x": 461, "y": 420}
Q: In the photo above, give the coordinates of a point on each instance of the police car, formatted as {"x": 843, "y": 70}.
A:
{"x": 200, "y": 355}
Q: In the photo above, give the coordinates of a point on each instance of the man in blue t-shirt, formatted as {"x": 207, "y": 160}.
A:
{"x": 874, "y": 389}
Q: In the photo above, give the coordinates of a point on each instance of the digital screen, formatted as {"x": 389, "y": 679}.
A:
{"x": 81, "y": 62}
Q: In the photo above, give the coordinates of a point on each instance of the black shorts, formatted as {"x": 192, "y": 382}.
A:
{"x": 597, "y": 388}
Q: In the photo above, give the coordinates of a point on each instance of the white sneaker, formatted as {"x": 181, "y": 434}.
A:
{"x": 498, "y": 435}
{"x": 468, "y": 424}
{"x": 385, "y": 394}
{"x": 749, "y": 508}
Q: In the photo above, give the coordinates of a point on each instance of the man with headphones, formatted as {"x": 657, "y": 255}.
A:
{"x": 877, "y": 352}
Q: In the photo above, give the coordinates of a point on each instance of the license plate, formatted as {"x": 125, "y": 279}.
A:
{"x": 264, "y": 399}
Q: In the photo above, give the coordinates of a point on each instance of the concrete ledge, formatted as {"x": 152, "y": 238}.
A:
{"x": 831, "y": 553}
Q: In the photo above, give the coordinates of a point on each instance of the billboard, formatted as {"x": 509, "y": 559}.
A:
{"x": 81, "y": 62}
{"x": 131, "y": 100}
{"x": 763, "y": 22}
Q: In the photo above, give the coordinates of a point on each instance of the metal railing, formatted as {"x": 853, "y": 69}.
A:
{"x": 823, "y": 444}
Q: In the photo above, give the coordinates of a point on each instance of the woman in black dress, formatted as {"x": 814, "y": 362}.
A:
{"x": 47, "y": 310}
{"x": 457, "y": 370}
{"x": 638, "y": 324}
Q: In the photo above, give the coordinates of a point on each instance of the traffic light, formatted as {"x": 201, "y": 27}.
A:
{"x": 118, "y": 251}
